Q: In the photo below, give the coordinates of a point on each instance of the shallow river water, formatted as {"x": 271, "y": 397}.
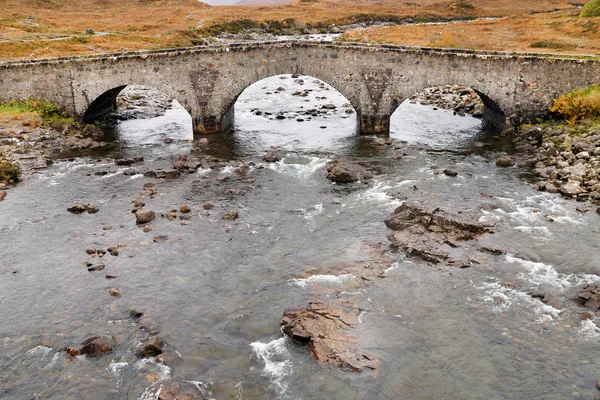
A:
{"x": 217, "y": 289}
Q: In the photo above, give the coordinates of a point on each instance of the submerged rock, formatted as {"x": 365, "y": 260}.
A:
{"x": 324, "y": 329}
{"x": 434, "y": 235}
{"x": 152, "y": 347}
{"x": 345, "y": 172}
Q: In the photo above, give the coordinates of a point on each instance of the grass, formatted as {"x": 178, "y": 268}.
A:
{"x": 34, "y": 112}
{"x": 28, "y": 27}
{"x": 578, "y": 105}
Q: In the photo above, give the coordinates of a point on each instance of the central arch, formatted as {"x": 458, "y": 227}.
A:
{"x": 234, "y": 86}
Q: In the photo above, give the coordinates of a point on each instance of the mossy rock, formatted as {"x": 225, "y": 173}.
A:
{"x": 9, "y": 172}
{"x": 591, "y": 9}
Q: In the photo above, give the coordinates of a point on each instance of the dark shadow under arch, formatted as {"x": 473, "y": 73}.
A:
{"x": 103, "y": 105}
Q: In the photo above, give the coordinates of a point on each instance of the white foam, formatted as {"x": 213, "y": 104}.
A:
{"x": 378, "y": 193}
{"x": 302, "y": 171}
{"x": 323, "y": 280}
{"x": 543, "y": 274}
{"x": 316, "y": 210}
{"x": 392, "y": 268}
{"x": 278, "y": 365}
{"x": 502, "y": 299}
{"x": 39, "y": 350}
{"x": 116, "y": 367}
{"x": 588, "y": 330}
{"x": 203, "y": 171}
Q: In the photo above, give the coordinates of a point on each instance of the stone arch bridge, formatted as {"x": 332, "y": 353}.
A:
{"x": 375, "y": 79}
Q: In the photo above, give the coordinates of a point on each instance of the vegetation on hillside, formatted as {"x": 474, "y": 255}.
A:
{"x": 552, "y": 33}
{"x": 591, "y": 9}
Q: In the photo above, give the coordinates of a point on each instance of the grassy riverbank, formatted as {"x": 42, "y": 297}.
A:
{"x": 43, "y": 28}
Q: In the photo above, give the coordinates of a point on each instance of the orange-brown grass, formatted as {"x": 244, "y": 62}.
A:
{"x": 557, "y": 33}
{"x": 579, "y": 104}
{"x": 27, "y": 27}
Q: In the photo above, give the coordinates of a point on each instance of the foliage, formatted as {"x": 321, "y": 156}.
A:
{"x": 591, "y": 9}
{"x": 49, "y": 112}
{"x": 9, "y": 171}
{"x": 579, "y": 104}
{"x": 552, "y": 44}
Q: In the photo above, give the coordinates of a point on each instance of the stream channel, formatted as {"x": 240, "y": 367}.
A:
{"x": 217, "y": 289}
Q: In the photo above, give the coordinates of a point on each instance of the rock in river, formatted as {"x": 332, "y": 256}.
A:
{"x": 505, "y": 161}
{"x": 345, "y": 172}
{"x": 271, "y": 156}
{"x": 78, "y": 208}
{"x": 97, "y": 345}
{"x": 590, "y": 296}
{"x": 434, "y": 235}
{"x": 324, "y": 329}
{"x": 143, "y": 217}
{"x": 152, "y": 347}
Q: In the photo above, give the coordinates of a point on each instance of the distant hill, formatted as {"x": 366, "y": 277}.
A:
{"x": 264, "y": 2}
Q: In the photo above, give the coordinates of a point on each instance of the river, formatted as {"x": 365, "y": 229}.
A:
{"x": 217, "y": 289}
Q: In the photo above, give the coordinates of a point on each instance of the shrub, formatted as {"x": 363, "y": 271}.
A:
{"x": 579, "y": 104}
{"x": 591, "y": 9}
{"x": 549, "y": 44}
{"x": 9, "y": 171}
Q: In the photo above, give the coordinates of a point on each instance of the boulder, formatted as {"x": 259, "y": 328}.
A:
{"x": 324, "y": 329}
{"x": 185, "y": 209}
{"x": 115, "y": 292}
{"x": 231, "y": 215}
{"x": 505, "y": 161}
{"x": 151, "y": 347}
{"x": 271, "y": 157}
{"x": 590, "y": 296}
{"x": 78, "y": 208}
{"x": 433, "y": 234}
{"x": 345, "y": 172}
{"x": 571, "y": 188}
{"x": 144, "y": 217}
{"x": 97, "y": 345}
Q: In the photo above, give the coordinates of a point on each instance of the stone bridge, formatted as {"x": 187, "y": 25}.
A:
{"x": 375, "y": 79}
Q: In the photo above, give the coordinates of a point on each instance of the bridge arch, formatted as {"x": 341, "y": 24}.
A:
{"x": 494, "y": 113}
{"x": 218, "y": 113}
{"x": 100, "y": 99}
{"x": 228, "y": 110}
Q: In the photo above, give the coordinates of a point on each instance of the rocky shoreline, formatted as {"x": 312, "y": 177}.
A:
{"x": 564, "y": 159}
{"x": 461, "y": 99}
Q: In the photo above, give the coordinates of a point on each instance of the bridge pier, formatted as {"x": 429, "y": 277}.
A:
{"x": 375, "y": 124}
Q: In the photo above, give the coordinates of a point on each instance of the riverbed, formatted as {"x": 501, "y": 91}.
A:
{"x": 217, "y": 289}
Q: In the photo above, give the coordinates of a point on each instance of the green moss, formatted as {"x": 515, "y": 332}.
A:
{"x": 591, "y": 9}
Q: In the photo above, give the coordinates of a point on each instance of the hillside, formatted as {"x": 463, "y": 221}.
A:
{"x": 43, "y": 28}
{"x": 264, "y": 2}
